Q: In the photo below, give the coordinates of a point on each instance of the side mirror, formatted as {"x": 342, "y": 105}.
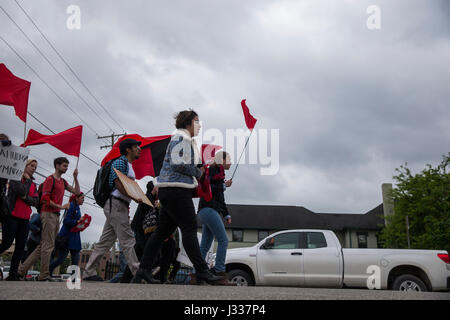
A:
{"x": 268, "y": 244}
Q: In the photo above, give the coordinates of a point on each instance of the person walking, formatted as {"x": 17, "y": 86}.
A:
{"x": 21, "y": 196}
{"x": 143, "y": 225}
{"x": 68, "y": 241}
{"x": 116, "y": 210}
{"x": 176, "y": 182}
{"x": 209, "y": 214}
{"x": 51, "y": 201}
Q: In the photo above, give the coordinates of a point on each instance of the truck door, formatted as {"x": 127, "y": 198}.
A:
{"x": 321, "y": 261}
{"x": 282, "y": 265}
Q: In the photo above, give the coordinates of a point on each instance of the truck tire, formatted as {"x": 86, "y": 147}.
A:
{"x": 408, "y": 282}
{"x": 240, "y": 277}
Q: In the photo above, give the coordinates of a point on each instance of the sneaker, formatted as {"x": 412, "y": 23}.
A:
{"x": 224, "y": 281}
{"x": 13, "y": 277}
{"x": 94, "y": 278}
{"x": 207, "y": 277}
{"x": 144, "y": 276}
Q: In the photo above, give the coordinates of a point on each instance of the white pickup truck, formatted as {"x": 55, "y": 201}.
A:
{"x": 315, "y": 258}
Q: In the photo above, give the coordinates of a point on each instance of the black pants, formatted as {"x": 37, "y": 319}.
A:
{"x": 177, "y": 210}
{"x": 31, "y": 245}
{"x": 139, "y": 249}
{"x": 14, "y": 229}
{"x": 168, "y": 257}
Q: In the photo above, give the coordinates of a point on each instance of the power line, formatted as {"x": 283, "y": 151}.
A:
{"x": 68, "y": 66}
{"x": 54, "y": 68}
{"x": 48, "y": 86}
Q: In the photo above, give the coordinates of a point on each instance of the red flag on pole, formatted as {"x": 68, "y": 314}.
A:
{"x": 68, "y": 141}
{"x": 249, "y": 120}
{"x": 14, "y": 92}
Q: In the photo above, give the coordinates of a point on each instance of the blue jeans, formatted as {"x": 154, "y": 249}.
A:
{"x": 61, "y": 254}
{"x": 212, "y": 226}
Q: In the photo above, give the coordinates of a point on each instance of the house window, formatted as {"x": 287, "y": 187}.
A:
{"x": 238, "y": 235}
{"x": 362, "y": 239}
{"x": 262, "y": 235}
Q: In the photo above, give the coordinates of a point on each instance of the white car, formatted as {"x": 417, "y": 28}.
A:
{"x": 315, "y": 258}
{"x": 4, "y": 272}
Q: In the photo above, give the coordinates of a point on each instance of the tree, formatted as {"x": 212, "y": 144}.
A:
{"x": 424, "y": 199}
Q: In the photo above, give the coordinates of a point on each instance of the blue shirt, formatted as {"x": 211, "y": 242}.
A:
{"x": 120, "y": 164}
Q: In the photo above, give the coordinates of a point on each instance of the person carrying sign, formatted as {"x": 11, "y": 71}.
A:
{"x": 116, "y": 210}
{"x": 51, "y": 201}
{"x": 21, "y": 196}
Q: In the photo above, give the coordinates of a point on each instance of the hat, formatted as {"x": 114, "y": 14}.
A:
{"x": 128, "y": 143}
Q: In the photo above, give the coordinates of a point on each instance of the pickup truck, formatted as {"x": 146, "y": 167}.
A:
{"x": 315, "y": 258}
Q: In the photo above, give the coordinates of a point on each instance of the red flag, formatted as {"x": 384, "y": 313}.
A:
{"x": 151, "y": 158}
{"x": 68, "y": 141}
{"x": 14, "y": 92}
{"x": 208, "y": 152}
{"x": 249, "y": 120}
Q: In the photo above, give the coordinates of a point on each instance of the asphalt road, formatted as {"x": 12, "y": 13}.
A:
{"x": 31, "y": 290}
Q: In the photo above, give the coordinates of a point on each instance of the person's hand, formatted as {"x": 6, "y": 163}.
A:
{"x": 66, "y": 206}
{"x": 139, "y": 200}
{"x": 202, "y": 169}
{"x": 228, "y": 183}
{"x": 75, "y": 174}
{"x": 155, "y": 191}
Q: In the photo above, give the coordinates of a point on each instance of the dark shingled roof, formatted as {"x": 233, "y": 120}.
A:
{"x": 290, "y": 217}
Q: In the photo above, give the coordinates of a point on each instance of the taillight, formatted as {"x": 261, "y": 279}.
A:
{"x": 444, "y": 257}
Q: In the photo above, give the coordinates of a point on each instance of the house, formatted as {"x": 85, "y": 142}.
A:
{"x": 252, "y": 223}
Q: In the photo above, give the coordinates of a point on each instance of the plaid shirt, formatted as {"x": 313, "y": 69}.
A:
{"x": 120, "y": 164}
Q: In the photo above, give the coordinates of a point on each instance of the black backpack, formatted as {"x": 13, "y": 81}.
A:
{"x": 102, "y": 190}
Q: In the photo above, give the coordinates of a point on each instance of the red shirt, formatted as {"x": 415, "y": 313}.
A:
{"x": 21, "y": 209}
{"x": 56, "y": 195}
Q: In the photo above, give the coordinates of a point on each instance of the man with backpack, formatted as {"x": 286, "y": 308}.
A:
{"x": 51, "y": 195}
{"x": 116, "y": 206}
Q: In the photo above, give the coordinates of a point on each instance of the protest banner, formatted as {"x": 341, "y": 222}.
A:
{"x": 132, "y": 188}
{"x": 13, "y": 160}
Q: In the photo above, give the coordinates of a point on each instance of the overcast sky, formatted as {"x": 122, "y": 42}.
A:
{"x": 351, "y": 104}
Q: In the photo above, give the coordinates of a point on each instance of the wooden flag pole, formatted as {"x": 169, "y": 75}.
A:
{"x": 248, "y": 139}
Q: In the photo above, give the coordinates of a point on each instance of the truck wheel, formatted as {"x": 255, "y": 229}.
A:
{"x": 408, "y": 282}
{"x": 240, "y": 277}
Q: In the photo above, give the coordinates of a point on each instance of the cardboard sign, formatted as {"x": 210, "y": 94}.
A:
{"x": 13, "y": 160}
{"x": 132, "y": 188}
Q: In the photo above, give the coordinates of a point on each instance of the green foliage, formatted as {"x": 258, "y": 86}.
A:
{"x": 425, "y": 199}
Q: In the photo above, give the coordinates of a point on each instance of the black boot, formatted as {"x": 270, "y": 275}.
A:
{"x": 208, "y": 277}
{"x": 144, "y": 276}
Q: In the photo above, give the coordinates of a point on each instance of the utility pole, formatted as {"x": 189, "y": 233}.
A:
{"x": 112, "y": 137}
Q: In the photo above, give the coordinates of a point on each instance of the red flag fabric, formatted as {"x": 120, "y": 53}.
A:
{"x": 68, "y": 141}
{"x": 208, "y": 152}
{"x": 152, "y": 155}
{"x": 14, "y": 92}
{"x": 249, "y": 120}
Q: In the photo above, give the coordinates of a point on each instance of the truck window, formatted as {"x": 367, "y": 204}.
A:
{"x": 315, "y": 240}
{"x": 289, "y": 240}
